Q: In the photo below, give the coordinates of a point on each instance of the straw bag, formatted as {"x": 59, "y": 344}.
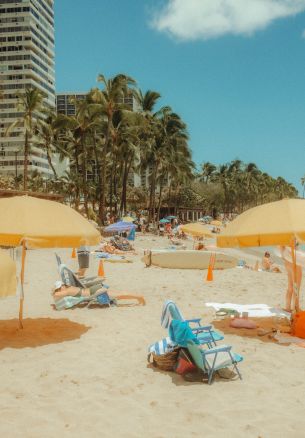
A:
{"x": 165, "y": 362}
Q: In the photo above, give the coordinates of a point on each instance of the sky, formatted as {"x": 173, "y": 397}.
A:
{"x": 234, "y": 70}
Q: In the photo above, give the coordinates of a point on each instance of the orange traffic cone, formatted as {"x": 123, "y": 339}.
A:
{"x": 210, "y": 268}
{"x": 210, "y": 273}
{"x": 101, "y": 271}
{"x": 73, "y": 255}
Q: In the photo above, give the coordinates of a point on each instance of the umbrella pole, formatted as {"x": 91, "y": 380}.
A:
{"x": 295, "y": 285}
{"x": 22, "y": 285}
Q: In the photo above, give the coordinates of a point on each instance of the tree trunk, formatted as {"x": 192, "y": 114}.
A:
{"x": 25, "y": 164}
{"x": 102, "y": 200}
{"x": 159, "y": 203}
{"x": 50, "y": 162}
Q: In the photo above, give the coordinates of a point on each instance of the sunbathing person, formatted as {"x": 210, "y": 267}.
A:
{"x": 110, "y": 249}
{"x": 61, "y": 290}
{"x": 268, "y": 265}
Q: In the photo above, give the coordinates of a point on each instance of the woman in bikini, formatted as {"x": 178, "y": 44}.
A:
{"x": 61, "y": 290}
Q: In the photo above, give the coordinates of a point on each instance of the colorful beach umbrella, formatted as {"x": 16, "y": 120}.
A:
{"x": 37, "y": 223}
{"x": 196, "y": 229}
{"x": 276, "y": 223}
{"x": 119, "y": 227}
{"x": 8, "y": 280}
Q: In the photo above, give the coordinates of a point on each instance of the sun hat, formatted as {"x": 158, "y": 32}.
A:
{"x": 58, "y": 284}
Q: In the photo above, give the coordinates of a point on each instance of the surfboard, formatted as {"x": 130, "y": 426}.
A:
{"x": 188, "y": 259}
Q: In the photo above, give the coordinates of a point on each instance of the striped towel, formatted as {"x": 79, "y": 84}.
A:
{"x": 166, "y": 345}
{"x": 68, "y": 302}
{"x": 170, "y": 311}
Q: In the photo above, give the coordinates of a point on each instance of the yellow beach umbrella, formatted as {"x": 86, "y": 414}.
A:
{"x": 276, "y": 223}
{"x": 37, "y": 223}
{"x": 43, "y": 224}
{"x": 196, "y": 229}
{"x": 127, "y": 219}
{"x": 216, "y": 223}
{"x": 8, "y": 280}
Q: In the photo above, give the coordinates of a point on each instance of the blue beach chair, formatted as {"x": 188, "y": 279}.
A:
{"x": 209, "y": 360}
{"x": 204, "y": 334}
{"x": 214, "y": 359}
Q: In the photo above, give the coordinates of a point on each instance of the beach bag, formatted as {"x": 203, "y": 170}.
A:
{"x": 184, "y": 363}
{"x": 104, "y": 299}
{"x": 165, "y": 362}
{"x": 298, "y": 325}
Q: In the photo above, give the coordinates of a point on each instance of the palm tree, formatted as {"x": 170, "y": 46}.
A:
{"x": 110, "y": 99}
{"x": 46, "y": 137}
{"x": 303, "y": 184}
{"x": 207, "y": 171}
{"x": 31, "y": 106}
{"x": 77, "y": 134}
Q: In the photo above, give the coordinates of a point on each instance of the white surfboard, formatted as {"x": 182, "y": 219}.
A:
{"x": 188, "y": 259}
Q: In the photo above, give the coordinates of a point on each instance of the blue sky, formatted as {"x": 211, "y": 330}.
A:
{"x": 233, "y": 69}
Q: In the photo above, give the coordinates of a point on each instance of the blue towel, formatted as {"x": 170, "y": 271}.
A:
{"x": 180, "y": 333}
{"x": 132, "y": 234}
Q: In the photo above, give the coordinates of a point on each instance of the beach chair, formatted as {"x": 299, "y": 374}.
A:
{"x": 70, "y": 279}
{"x": 100, "y": 299}
{"x": 214, "y": 359}
{"x": 205, "y": 334}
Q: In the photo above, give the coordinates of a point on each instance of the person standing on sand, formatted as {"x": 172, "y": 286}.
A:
{"x": 291, "y": 298}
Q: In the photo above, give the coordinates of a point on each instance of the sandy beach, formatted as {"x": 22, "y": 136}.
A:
{"x": 84, "y": 372}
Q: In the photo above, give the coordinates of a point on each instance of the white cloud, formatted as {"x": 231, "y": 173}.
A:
{"x": 204, "y": 19}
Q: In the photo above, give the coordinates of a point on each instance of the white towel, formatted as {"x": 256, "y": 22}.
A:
{"x": 254, "y": 310}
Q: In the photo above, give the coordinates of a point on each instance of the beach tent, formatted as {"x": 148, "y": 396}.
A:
{"x": 119, "y": 227}
{"x": 34, "y": 223}
{"x": 196, "y": 230}
{"x": 8, "y": 280}
{"x": 276, "y": 223}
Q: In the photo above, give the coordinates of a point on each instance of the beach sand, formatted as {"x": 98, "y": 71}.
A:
{"x": 84, "y": 372}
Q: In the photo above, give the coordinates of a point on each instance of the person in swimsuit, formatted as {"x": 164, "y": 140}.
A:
{"x": 291, "y": 299}
{"x": 268, "y": 265}
{"x": 61, "y": 290}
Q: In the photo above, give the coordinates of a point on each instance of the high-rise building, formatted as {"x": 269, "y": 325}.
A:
{"x": 26, "y": 61}
{"x": 65, "y": 102}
